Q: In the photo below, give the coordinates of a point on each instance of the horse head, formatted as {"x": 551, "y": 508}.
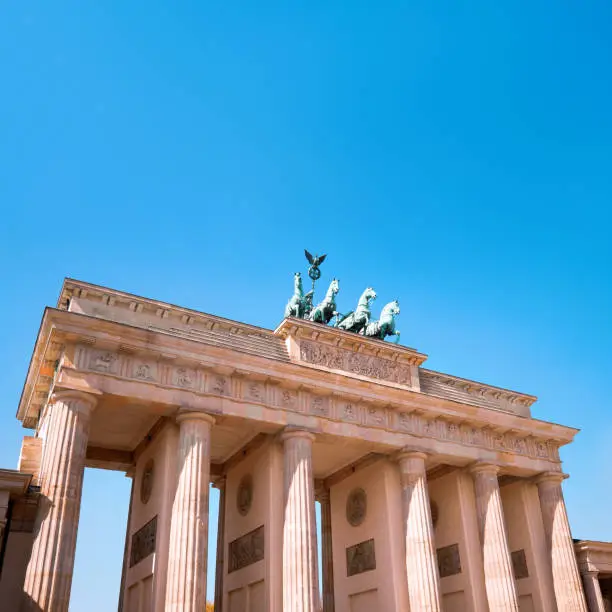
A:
{"x": 391, "y": 309}
{"x": 368, "y": 295}
{"x": 297, "y": 283}
{"x": 334, "y": 287}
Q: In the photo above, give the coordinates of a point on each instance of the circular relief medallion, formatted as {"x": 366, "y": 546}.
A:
{"x": 356, "y": 507}
{"x": 244, "y": 499}
{"x": 146, "y": 484}
{"x": 435, "y": 512}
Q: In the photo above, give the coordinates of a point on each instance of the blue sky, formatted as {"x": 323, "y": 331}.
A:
{"x": 456, "y": 156}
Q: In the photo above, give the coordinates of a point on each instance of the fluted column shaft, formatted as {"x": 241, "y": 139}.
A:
{"x": 219, "y": 571}
{"x": 300, "y": 576}
{"x": 566, "y": 578}
{"x": 49, "y": 574}
{"x": 592, "y": 590}
{"x": 187, "y": 559}
{"x": 327, "y": 558}
{"x": 499, "y": 577}
{"x": 421, "y": 563}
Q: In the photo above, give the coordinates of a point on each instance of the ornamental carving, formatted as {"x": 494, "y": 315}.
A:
{"x": 519, "y": 564}
{"x": 103, "y": 361}
{"x": 356, "y": 507}
{"x": 246, "y": 550}
{"x": 356, "y": 363}
{"x": 255, "y": 391}
{"x": 288, "y": 399}
{"x": 143, "y": 371}
{"x": 244, "y": 496}
{"x": 319, "y": 405}
{"x": 220, "y": 385}
{"x": 146, "y": 484}
{"x": 416, "y": 423}
{"x": 143, "y": 542}
{"x": 184, "y": 377}
{"x": 360, "y": 558}
{"x": 350, "y": 412}
{"x": 449, "y": 561}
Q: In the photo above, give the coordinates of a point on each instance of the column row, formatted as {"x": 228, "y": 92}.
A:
{"x": 49, "y": 573}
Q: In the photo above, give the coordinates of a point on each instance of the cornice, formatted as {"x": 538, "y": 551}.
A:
{"x": 164, "y": 310}
{"x": 62, "y": 328}
{"x": 481, "y": 389}
{"x": 300, "y": 328}
{"x": 14, "y": 481}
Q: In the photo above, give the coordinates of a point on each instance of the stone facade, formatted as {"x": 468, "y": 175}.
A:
{"x": 437, "y": 493}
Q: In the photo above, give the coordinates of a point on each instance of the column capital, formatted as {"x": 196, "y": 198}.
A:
{"x": 409, "y": 453}
{"x": 87, "y": 401}
{"x": 554, "y": 477}
{"x": 483, "y": 468}
{"x": 191, "y": 415}
{"x": 219, "y": 482}
{"x": 296, "y": 432}
{"x": 322, "y": 494}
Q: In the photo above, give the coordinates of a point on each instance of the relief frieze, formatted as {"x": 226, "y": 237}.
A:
{"x": 369, "y": 366}
{"x": 360, "y": 558}
{"x": 143, "y": 542}
{"x": 519, "y": 564}
{"x": 324, "y": 406}
{"x": 449, "y": 561}
{"x": 246, "y": 550}
{"x": 319, "y": 406}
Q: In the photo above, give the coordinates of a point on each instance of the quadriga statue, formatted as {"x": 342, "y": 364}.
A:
{"x": 325, "y": 310}
{"x": 357, "y": 320}
{"x": 297, "y": 303}
{"x": 385, "y": 326}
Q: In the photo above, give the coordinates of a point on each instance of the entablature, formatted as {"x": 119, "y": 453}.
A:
{"x": 81, "y": 346}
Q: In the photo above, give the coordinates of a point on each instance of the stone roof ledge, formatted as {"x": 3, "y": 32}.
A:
{"x": 331, "y": 349}
{"x": 299, "y": 328}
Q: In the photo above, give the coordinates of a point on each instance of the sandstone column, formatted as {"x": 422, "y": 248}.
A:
{"x": 499, "y": 577}
{"x": 421, "y": 562}
{"x": 326, "y": 551}
{"x": 220, "y": 569}
{"x": 49, "y": 574}
{"x": 592, "y": 590}
{"x": 300, "y": 576}
{"x": 566, "y": 579}
{"x": 186, "y": 582}
{"x": 126, "y": 546}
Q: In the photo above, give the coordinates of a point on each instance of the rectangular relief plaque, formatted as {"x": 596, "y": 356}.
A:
{"x": 143, "y": 542}
{"x": 246, "y": 549}
{"x": 360, "y": 558}
{"x": 519, "y": 564}
{"x": 449, "y": 561}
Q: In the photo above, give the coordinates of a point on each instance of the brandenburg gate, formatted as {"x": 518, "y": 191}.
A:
{"x": 436, "y": 493}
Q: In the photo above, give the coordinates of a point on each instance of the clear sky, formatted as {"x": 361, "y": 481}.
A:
{"x": 457, "y": 156}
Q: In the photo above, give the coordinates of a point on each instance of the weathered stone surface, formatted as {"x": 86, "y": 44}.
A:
{"x": 566, "y": 578}
{"x": 519, "y": 564}
{"x": 143, "y": 542}
{"x": 356, "y": 507}
{"x": 49, "y": 574}
{"x": 300, "y": 575}
{"x": 360, "y": 558}
{"x": 449, "y": 560}
{"x": 499, "y": 579}
{"x": 369, "y": 366}
{"x": 246, "y": 550}
{"x": 421, "y": 565}
{"x": 187, "y": 559}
